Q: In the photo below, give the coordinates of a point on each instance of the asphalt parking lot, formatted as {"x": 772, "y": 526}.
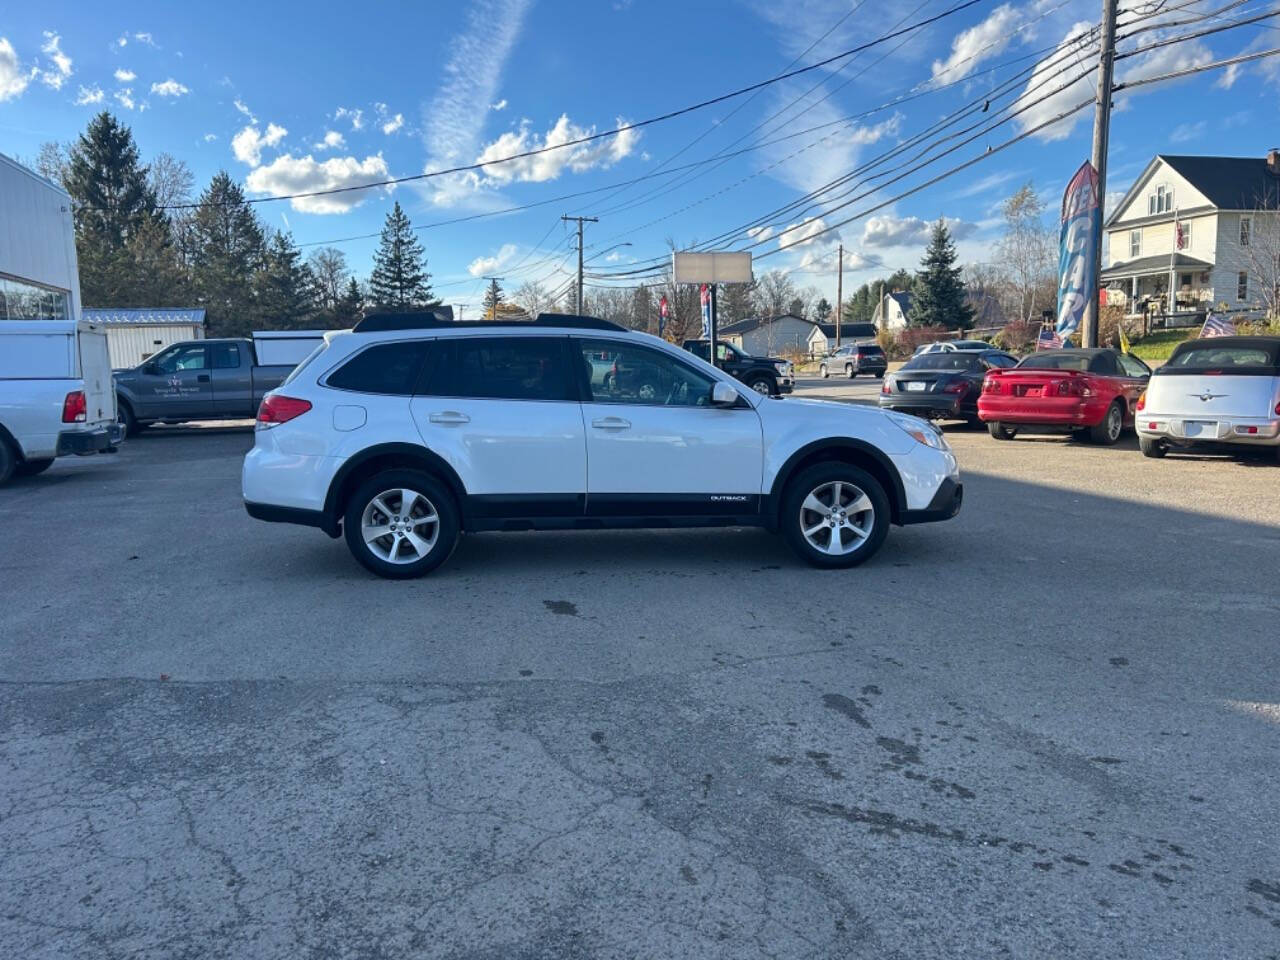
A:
{"x": 1048, "y": 728}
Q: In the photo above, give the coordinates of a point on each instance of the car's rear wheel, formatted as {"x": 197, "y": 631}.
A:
{"x": 29, "y": 468}
{"x": 849, "y": 371}
{"x": 1152, "y": 447}
{"x": 1001, "y": 431}
{"x": 761, "y": 385}
{"x": 401, "y": 524}
{"x": 1108, "y": 431}
{"x": 835, "y": 515}
{"x": 8, "y": 462}
{"x": 124, "y": 414}
{"x": 824, "y": 371}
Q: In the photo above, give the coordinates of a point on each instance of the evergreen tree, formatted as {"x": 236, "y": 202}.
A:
{"x": 284, "y": 286}
{"x": 155, "y": 276}
{"x": 734, "y": 302}
{"x": 822, "y": 311}
{"x": 112, "y": 201}
{"x": 399, "y": 278}
{"x": 350, "y": 306}
{"x": 938, "y": 295}
{"x": 493, "y": 296}
{"x": 227, "y": 251}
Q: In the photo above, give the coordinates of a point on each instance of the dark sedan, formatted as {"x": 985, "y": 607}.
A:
{"x": 943, "y": 386}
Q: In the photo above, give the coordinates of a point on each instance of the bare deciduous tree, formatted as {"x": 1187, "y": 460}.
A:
{"x": 1027, "y": 254}
{"x": 774, "y": 293}
{"x": 532, "y": 297}
{"x": 329, "y": 266}
{"x": 1263, "y": 255}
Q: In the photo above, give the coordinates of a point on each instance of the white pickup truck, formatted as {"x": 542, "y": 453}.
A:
{"x": 56, "y": 394}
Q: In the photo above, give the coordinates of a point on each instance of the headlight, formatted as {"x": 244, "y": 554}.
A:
{"x": 923, "y": 431}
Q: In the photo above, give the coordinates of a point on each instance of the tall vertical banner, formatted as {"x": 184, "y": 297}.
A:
{"x": 1080, "y": 236}
{"x": 664, "y": 313}
{"x": 706, "y": 311}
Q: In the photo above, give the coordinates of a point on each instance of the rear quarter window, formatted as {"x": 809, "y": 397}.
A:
{"x": 387, "y": 368}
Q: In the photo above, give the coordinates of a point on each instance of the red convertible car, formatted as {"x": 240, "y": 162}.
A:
{"x": 1091, "y": 393}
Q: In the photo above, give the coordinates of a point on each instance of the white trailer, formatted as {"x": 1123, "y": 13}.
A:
{"x": 56, "y": 392}
{"x": 286, "y": 346}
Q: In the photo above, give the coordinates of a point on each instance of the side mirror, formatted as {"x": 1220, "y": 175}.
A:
{"x": 151, "y": 368}
{"x": 723, "y": 395}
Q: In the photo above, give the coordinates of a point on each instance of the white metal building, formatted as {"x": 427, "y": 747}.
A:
{"x": 135, "y": 333}
{"x": 38, "y": 275}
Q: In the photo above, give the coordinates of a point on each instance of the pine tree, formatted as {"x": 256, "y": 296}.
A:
{"x": 350, "y": 306}
{"x": 938, "y": 295}
{"x": 493, "y": 297}
{"x": 822, "y": 311}
{"x": 400, "y": 280}
{"x": 112, "y": 201}
{"x": 228, "y": 249}
{"x": 284, "y": 286}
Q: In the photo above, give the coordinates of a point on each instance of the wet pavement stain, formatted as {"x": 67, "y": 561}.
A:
{"x": 688, "y": 876}
{"x": 842, "y": 704}
{"x": 1268, "y": 891}
{"x": 1119, "y": 661}
{"x": 823, "y": 762}
{"x": 562, "y": 607}
{"x": 902, "y": 753}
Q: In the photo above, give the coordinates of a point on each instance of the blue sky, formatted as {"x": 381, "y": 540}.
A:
{"x": 290, "y": 97}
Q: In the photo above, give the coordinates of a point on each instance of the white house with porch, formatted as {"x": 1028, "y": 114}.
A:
{"x": 1201, "y": 227}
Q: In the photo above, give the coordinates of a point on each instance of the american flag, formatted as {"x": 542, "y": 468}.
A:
{"x": 1048, "y": 339}
{"x": 1217, "y": 326}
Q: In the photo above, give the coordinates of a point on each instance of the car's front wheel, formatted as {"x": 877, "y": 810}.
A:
{"x": 762, "y": 385}
{"x": 835, "y": 515}
{"x": 849, "y": 371}
{"x": 824, "y": 371}
{"x": 1001, "y": 431}
{"x": 401, "y": 523}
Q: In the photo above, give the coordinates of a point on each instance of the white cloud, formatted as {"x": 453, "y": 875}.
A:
{"x": 803, "y": 233}
{"x": 394, "y": 124}
{"x": 1229, "y": 77}
{"x": 248, "y": 144}
{"x": 354, "y": 115}
{"x": 1169, "y": 59}
{"x": 125, "y": 98}
{"x": 892, "y": 231}
{"x": 987, "y": 184}
{"x": 12, "y": 79}
{"x": 125, "y": 76}
{"x": 454, "y": 120}
{"x": 815, "y": 164}
{"x": 1045, "y": 77}
{"x": 1186, "y": 132}
{"x": 598, "y": 154}
{"x": 89, "y": 95}
{"x": 210, "y": 137}
{"x": 240, "y": 106}
{"x": 760, "y": 233}
{"x": 289, "y": 174}
{"x": 333, "y": 140}
{"x": 57, "y": 76}
{"x": 500, "y": 105}
{"x": 122, "y": 41}
{"x": 144, "y": 38}
{"x": 170, "y": 88}
{"x": 971, "y": 47}
{"x": 482, "y": 266}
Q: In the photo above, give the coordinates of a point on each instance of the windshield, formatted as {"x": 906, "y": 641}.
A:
{"x": 1057, "y": 361}
{"x": 944, "y": 361}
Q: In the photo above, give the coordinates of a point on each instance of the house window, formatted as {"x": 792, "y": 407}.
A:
{"x": 1135, "y": 243}
{"x": 1242, "y": 285}
{"x": 1185, "y": 228}
{"x": 1161, "y": 201}
{"x": 1246, "y": 226}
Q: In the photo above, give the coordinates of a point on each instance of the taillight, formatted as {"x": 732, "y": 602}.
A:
{"x": 74, "y": 408}
{"x": 884, "y": 387}
{"x": 1142, "y": 401}
{"x": 990, "y": 385}
{"x": 1074, "y": 387}
{"x": 1278, "y": 409}
{"x": 958, "y": 386}
{"x": 277, "y": 409}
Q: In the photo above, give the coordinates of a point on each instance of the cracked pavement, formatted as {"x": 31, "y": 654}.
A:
{"x": 1047, "y": 728}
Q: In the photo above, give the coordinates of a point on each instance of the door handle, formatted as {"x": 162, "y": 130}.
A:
{"x": 449, "y": 417}
{"x": 202, "y": 378}
{"x": 611, "y": 423}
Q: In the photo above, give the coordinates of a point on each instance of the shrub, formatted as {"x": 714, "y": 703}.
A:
{"x": 1017, "y": 337}
{"x": 909, "y": 338}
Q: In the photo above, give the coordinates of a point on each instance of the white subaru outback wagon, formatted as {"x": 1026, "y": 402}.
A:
{"x": 410, "y": 429}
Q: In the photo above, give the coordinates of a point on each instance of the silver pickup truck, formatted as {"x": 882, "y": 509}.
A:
{"x": 196, "y": 380}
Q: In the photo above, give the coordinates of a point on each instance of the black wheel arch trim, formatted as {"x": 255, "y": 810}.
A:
{"x": 410, "y": 452}
{"x": 896, "y": 493}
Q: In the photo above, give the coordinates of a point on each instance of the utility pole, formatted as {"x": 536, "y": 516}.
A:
{"x": 879, "y": 314}
{"x": 839, "y": 294}
{"x": 1101, "y": 137}
{"x": 581, "y": 221}
{"x": 494, "y": 294}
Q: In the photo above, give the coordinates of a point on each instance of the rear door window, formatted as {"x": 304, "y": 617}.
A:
{"x": 226, "y": 356}
{"x": 505, "y": 368}
{"x": 1133, "y": 367}
{"x": 386, "y": 368}
{"x": 1105, "y": 364}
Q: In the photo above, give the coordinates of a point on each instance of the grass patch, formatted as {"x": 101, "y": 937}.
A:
{"x": 1158, "y": 345}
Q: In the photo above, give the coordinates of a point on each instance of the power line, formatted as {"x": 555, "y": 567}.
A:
{"x": 589, "y": 138}
{"x": 1243, "y": 58}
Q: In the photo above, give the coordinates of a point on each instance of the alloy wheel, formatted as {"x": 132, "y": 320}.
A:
{"x": 837, "y": 518}
{"x": 400, "y": 526}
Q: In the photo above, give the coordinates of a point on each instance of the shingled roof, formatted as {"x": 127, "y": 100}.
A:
{"x": 1231, "y": 183}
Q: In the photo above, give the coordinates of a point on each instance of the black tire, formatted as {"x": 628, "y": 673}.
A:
{"x": 849, "y": 371}
{"x": 438, "y": 499}
{"x": 973, "y": 422}
{"x": 8, "y": 462}
{"x": 763, "y": 386}
{"x": 29, "y": 468}
{"x": 1001, "y": 431}
{"x": 814, "y": 480}
{"x": 124, "y": 414}
{"x": 1152, "y": 447}
{"x": 824, "y": 371}
{"x": 1109, "y": 430}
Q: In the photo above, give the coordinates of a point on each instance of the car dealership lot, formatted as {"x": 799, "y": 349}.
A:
{"x": 1045, "y": 728}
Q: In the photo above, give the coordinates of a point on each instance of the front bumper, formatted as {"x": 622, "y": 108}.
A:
{"x": 82, "y": 443}
{"x": 1251, "y": 431}
{"x": 786, "y": 385}
{"x": 945, "y": 504}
